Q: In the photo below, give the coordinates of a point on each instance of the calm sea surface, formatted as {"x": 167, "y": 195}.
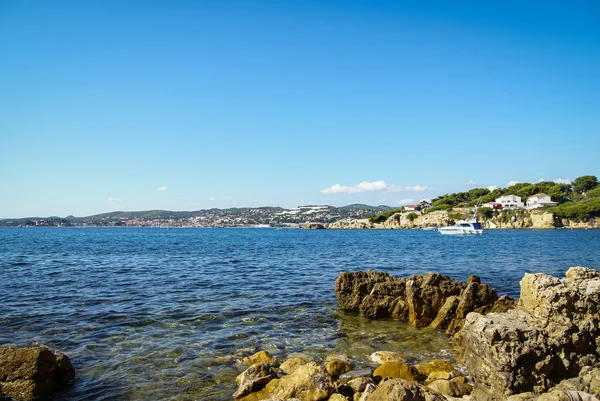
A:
{"x": 157, "y": 314}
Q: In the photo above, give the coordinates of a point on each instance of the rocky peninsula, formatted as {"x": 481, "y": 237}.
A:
{"x": 545, "y": 346}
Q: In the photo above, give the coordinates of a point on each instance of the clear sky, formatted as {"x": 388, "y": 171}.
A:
{"x": 183, "y": 105}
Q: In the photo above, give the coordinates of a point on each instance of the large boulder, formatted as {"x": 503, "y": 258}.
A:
{"x": 553, "y": 332}
{"x": 32, "y": 373}
{"x": 352, "y": 287}
{"x": 253, "y": 379}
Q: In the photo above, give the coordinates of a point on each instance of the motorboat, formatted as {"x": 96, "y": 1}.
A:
{"x": 463, "y": 227}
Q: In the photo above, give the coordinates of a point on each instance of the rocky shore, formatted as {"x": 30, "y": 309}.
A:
{"x": 543, "y": 347}
{"x": 440, "y": 218}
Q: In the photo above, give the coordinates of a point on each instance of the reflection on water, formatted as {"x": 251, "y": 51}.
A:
{"x": 150, "y": 314}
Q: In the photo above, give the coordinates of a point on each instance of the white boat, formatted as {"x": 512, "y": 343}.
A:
{"x": 429, "y": 228}
{"x": 462, "y": 227}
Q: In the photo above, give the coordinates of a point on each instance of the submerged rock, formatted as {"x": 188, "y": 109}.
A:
{"x": 32, "y": 373}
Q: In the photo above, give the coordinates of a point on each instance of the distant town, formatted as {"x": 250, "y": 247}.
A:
{"x": 232, "y": 217}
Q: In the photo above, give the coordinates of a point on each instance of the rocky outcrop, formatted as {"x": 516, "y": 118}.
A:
{"x": 422, "y": 299}
{"x": 351, "y": 224}
{"x": 552, "y": 333}
{"x": 32, "y": 373}
{"x": 314, "y": 226}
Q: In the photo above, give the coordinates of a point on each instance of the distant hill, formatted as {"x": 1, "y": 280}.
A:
{"x": 231, "y": 217}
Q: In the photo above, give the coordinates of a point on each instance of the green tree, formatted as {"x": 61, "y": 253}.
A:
{"x": 411, "y": 216}
{"x": 584, "y": 183}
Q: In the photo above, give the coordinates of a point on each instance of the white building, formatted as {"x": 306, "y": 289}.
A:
{"x": 540, "y": 200}
{"x": 510, "y": 202}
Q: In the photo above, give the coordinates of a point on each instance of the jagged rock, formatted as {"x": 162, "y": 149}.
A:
{"x": 396, "y": 370}
{"x": 387, "y": 356}
{"x": 353, "y": 374}
{"x": 253, "y": 379}
{"x": 352, "y": 287}
{"x": 552, "y": 333}
{"x": 308, "y": 382}
{"x": 291, "y": 364}
{"x": 259, "y": 357}
{"x": 422, "y": 299}
{"x": 475, "y": 295}
{"x": 450, "y": 388}
{"x": 426, "y": 294}
{"x": 31, "y": 373}
{"x": 587, "y": 381}
{"x": 402, "y": 390}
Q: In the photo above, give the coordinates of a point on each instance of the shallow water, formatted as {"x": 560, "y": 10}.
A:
{"x": 166, "y": 314}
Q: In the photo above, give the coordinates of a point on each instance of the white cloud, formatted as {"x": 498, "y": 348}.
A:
{"x": 562, "y": 181}
{"x": 406, "y": 202}
{"x": 112, "y": 199}
{"x": 212, "y": 198}
{"x": 362, "y": 187}
{"x": 161, "y": 189}
{"x": 511, "y": 183}
{"x": 492, "y": 188}
{"x": 541, "y": 180}
{"x": 402, "y": 188}
{"x": 471, "y": 182}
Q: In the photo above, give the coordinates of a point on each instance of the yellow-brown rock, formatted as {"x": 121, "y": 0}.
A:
{"x": 450, "y": 388}
{"x": 337, "y": 367}
{"x": 259, "y": 357}
{"x": 436, "y": 365}
{"x": 291, "y": 364}
{"x": 396, "y": 370}
{"x": 387, "y": 356}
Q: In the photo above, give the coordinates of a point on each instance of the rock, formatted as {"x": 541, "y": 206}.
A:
{"x": 387, "y": 356}
{"x": 337, "y": 367}
{"x": 32, "y": 373}
{"x": 352, "y": 287}
{"x": 422, "y": 299}
{"x": 475, "y": 295}
{"x": 437, "y": 365}
{"x": 402, "y": 390}
{"x": 337, "y": 397}
{"x": 426, "y": 294}
{"x": 450, "y": 388}
{"x": 353, "y": 374}
{"x": 253, "y": 379}
{"x": 308, "y": 382}
{"x": 553, "y": 331}
{"x": 259, "y": 357}
{"x": 365, "y": 395}
{"x": 64, "y": 373}
{"x": 587, "y": 381}
{"x": 314, "y": 226}
{"x": 446, "y": 313}
{"x": 438, "y": 375}
{"x": 396, "y": 370}
{"x": 359, "y": 384}
{"x": 291, "y": 364}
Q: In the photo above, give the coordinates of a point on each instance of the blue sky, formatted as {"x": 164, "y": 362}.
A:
{"x": 184, "y": 105}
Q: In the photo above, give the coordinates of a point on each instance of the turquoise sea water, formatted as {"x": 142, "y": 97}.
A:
{"x": 157, "y": 314}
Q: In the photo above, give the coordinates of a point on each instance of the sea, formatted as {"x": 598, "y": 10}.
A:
{"x": 167, "y": 314}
